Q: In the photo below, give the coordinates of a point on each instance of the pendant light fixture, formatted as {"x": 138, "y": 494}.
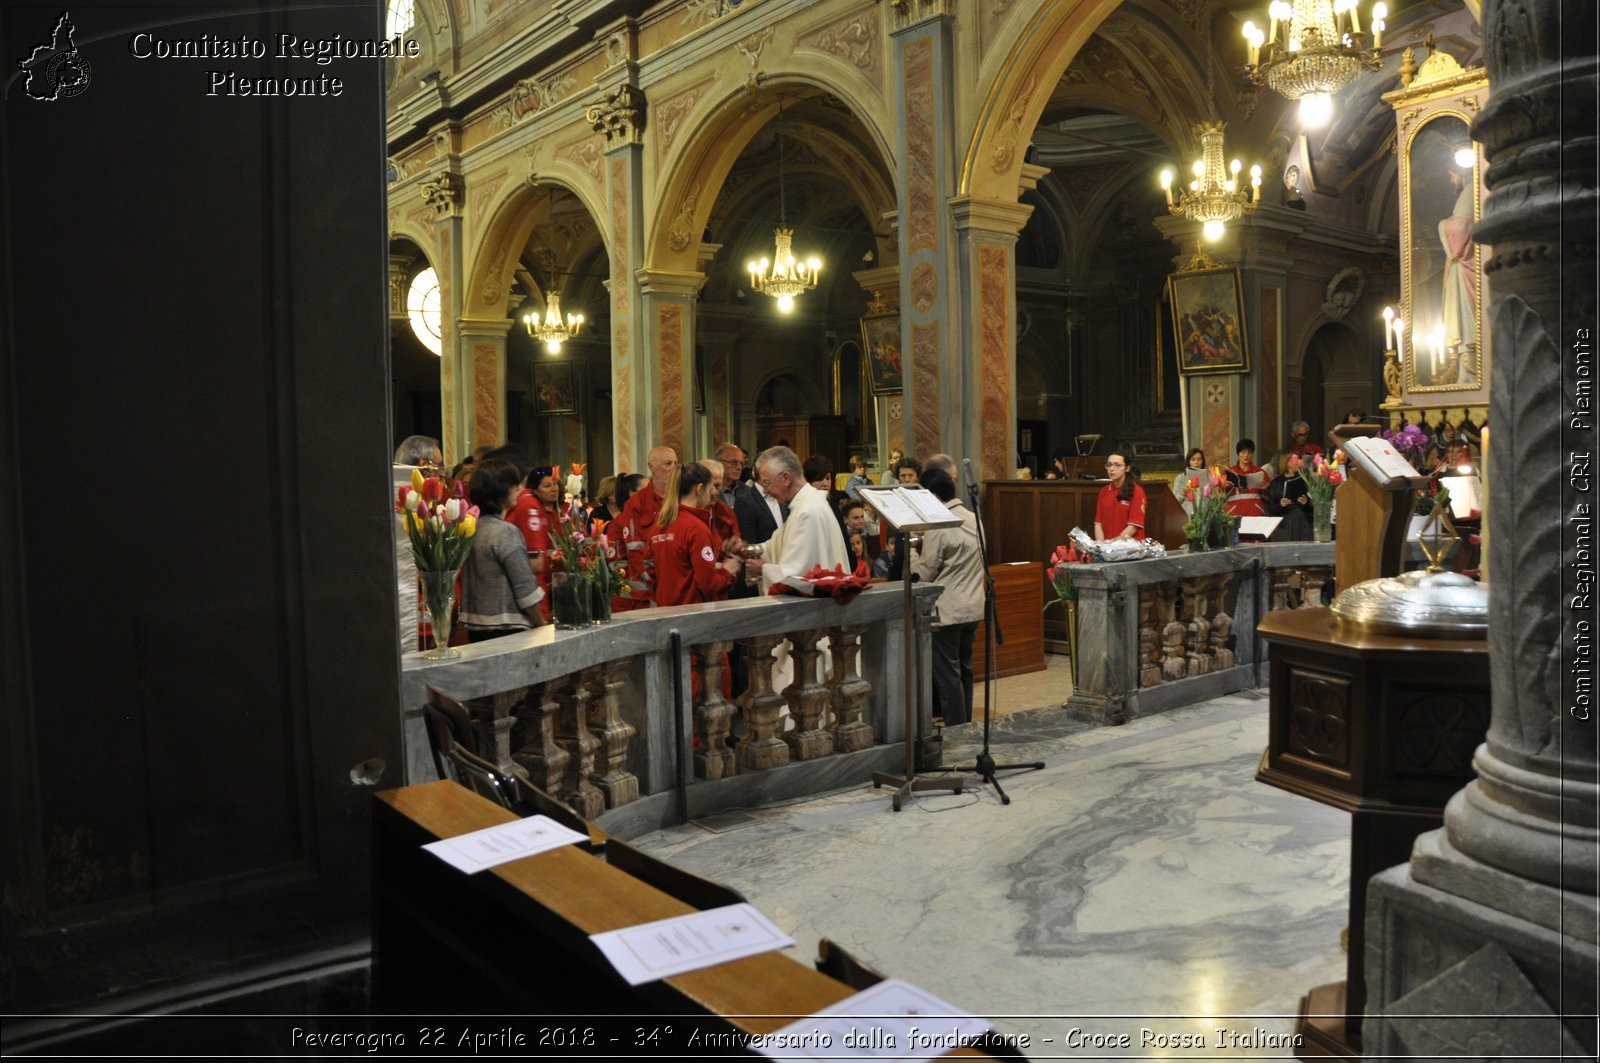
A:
{"x": 1313, "y": 49}
{"x": 552, "y": 329}
{"x": 784, "y": 277}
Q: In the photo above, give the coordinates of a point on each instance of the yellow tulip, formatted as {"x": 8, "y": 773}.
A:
{"x": 414, "y": 523}
{"x": 416, "y": 480}
{"x": 468, "y": 526}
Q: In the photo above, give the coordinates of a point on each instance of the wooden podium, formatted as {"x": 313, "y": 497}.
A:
{"x": 1383, "y": 726}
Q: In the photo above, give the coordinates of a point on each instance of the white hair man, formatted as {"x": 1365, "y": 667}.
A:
{"x": 809, "y": 536}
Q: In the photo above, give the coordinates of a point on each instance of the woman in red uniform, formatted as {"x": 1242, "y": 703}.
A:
{"x": 534, "y": 515}
{"x": 1119, "y": 512}
{"x": 1249, "y": 480}
{"x": 687, "y": 566}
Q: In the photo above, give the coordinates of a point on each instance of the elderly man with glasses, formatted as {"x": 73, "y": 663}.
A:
{"x": 809, "y": 536}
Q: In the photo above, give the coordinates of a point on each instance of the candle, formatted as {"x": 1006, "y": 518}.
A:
{"x": 1400, "y": 338}
{"x": 1388, "y": 328}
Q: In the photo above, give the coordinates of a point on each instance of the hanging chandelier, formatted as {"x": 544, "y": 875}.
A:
{"x": 784, "y": 276}
{"x": 552, "y": 330}
{"x": 1215, "y": 196}
{"x": 1313, "y": 49}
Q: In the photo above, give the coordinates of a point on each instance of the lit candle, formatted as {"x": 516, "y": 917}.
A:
{"x": 1388, "y": 328}
{"x": 1400, "y": 338}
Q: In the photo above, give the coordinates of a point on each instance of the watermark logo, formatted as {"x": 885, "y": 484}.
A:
{"x": 57, "y": 70}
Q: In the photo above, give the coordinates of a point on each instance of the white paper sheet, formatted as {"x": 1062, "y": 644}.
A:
{"x": 1261, "y": 526}
{"x": 891, "y": 1020}
{"x": 492, "y": 846}
{"x": 666, "y": 947}
{"x": 1465, "y": 497}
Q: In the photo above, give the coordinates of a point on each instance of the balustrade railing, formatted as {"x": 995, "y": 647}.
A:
{"x": 634, "y": 728}
{"x": 1158, "y": 634}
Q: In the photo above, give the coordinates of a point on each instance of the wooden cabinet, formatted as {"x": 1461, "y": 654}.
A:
{"x": 1019, "y": 603}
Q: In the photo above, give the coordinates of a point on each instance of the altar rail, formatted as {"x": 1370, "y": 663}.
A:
{"x": 626, "y": 721}
{"x": 1159, "y": 634}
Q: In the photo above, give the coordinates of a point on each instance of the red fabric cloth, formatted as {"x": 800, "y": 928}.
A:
{"x": 1306, "y": 450}
{"x": 1113, "y": 514}
{"x": 833, "y": 583}
{"x": 686, "y": 561}
{"x": 631, "y": 531}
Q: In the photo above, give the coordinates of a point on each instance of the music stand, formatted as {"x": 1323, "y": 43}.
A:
{"x": 909, "y": 508}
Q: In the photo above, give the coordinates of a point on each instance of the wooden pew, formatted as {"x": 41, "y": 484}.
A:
{"x": 514, "y": 939}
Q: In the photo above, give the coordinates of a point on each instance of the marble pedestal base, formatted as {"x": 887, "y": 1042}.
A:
{"x": 1447, "y": 976}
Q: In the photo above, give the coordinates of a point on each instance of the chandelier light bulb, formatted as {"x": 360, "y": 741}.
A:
{"x": 1315, "y": 110}
{"x": 1212, "y": 230}
{"x": 785, "y": 304}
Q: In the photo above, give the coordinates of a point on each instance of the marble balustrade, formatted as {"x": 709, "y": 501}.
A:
{"x": 1158, "y": 634}
{"x": 628, "y": 722}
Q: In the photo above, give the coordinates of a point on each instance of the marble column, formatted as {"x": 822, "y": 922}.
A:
{"x": 483, "y": 348}
{"x": 620, "y": 116}
{"x": 1496, "y": 914}
{"x": 667, "y": 316}
{"x": 447, "y": 195}
{"x": 925, "y": 157}
{"x": 984, "y": 430}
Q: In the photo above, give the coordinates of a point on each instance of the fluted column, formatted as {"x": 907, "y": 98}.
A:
{"x": 1497, "y": 914}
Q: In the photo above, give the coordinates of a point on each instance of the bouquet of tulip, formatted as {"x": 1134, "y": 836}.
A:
{"x": 1321, "y": 477}
{"x": 589, "y": 557}
{"x": 440, "y": 526}
{"x": 1208, "y": 499}
{"x": 1061, "y": 580}
{"x": 1412, "y": 443}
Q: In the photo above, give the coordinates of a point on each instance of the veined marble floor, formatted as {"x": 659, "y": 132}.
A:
{"x": 1143, "y": 881}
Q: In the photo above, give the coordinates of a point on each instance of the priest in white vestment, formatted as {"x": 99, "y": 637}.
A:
{"x": 809, "y": 536}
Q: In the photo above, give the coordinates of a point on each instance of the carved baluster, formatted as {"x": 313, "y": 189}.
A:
{"x": 540, "y": 757}
{"x": 615, "y": 735}
{"x": 850, "y": 693}
{"x": 492, "y": 720}
{"x": 1221, "y": 626}
{"x": 1280, "y": 589}
{"x": 763, "y": 708}
{"x": 1311, "y": 581}
{"x": 807, "y": 698}
{"x": 1149, "y": 640}
{"x": 1172, "y": 634}
{"x": 574, "y": 736}
{"x": 713, "y": 715}
{"x": 1197, "y": 640}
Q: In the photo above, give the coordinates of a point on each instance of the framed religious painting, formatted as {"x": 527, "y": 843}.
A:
{"x": 1208, "y": 320}
{"x": 1442, "y": 346}
{"x": 554, "y": 388}
{"x": 880, "y": 337}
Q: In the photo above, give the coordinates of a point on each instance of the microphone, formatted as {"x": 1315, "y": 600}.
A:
{"x": 966, "y": 464}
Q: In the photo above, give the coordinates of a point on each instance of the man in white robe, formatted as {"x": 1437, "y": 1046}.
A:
{"x": 809, "y": 536}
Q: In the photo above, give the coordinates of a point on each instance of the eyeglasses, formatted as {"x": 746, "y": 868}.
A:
{"x": 1116, "y": 464}
{"x": 767, "y": 483}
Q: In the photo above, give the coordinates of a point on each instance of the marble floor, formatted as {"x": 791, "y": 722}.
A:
{"x": 1141, "y": 885}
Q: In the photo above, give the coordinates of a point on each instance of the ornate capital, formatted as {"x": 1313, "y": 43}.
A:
{"x": 620, "y": 116}
{"x": 445, "y": 195}
{"x": 910, "y": 12}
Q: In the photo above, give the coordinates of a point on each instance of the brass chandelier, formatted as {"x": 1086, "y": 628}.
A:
{"x": 553, "y": 329}
{"x": 1214, "y": 197}
{"x": 1313, "y": 49}
{"x": 785, "y": 276}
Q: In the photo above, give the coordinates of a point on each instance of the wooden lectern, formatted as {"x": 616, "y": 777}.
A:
{"x": 1383, "y": 726}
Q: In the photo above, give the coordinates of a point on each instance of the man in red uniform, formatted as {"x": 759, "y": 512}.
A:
{"x": 1300, "y": 441}
{"x": 534, "y": 514}
{"x": 636, "y": 523}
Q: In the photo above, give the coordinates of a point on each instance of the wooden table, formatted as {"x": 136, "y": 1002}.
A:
{"x": 1383, "y": 726}
{"x": 514, "y": 939}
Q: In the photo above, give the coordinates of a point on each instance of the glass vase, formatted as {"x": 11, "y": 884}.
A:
{"x": 600, "y": 601}
{"x": 439, "y": 597}
{"x": 1322, "y": 521}
{"x": 1220, "y": 535}
{"x": 571, "y": 599}
{"x": 1197, "y": 543}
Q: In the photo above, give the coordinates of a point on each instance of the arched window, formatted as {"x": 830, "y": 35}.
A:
{"x": 422, "y": 306}
{"x": 402, "y": 14}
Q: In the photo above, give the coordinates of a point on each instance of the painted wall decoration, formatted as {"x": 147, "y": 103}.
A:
{"x": 880, "y": 335}
{"x": 555, "y": 388}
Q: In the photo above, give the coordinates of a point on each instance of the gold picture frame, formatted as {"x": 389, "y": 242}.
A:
{"x": 1208, "y": 323}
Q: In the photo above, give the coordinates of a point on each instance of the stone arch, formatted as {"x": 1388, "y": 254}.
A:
{"x": 803, "y": 381}
{"x": 1024, "y": 77}
{"x": 1331, "y": 356}
{"x": 697, "y": 170}
{"x": 511, "y": 221}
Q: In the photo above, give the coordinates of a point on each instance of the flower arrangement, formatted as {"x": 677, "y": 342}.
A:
{"x": 1321, "y": 477}
{"x": 591, "y": 556}
{"x": 1208, "y": 499}
{"x": 1060, "y": 570}
{"x": 1411, "y": 442}
{"x": 439, "y": 524}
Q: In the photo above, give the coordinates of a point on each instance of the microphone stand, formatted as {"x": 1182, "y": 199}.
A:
{"x": 984, "y": 766}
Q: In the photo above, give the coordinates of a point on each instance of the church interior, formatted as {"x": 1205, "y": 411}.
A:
{"x": 566, "y": 226}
